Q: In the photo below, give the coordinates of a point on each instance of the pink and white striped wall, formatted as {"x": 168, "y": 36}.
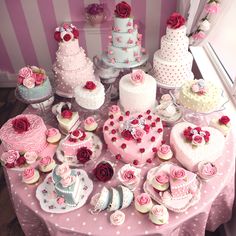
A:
{"x": 27, "y": 27}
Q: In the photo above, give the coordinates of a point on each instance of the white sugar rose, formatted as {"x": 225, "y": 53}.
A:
{"x": 117, "y": 218}
{"x": 29, "y": 82}
{"x": 205, "y": 25}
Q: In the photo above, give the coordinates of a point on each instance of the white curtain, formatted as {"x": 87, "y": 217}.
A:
{"x": 198, "y": 20}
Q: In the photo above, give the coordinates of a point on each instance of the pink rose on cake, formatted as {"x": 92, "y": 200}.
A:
{"x": 164, "y": 149}
{"x": 30, "y": 157}
{"x": 198, "y": 140}
{"x": 9, "y": 158}
{"x": 52, "y": 132}
{"x": 28, "y": 173}
{"x": 21, "y": 125}
{"x": 90, "y": 85}
{"x": 39, "y": 78}
{"x": 126, "y": 134}
{"x": 123, "y": 10}
{"x": 137, "y": 77}
{"x": 143, "y": 199}
{"x": 177, "y": 173}
{"x": 212, "y": 7}
{"x": 63, "y": 170}
{"x": 68, "y": 181}
{"x": 45, "y": 161}
{"x": 60, "y": 200}
{"x": 66, "y": 114}
{"x": 175, "y": 21}
{"x": 224, "y": 120}
{"x": 29, "y": 82}
{"x": 117, "y": 218}
{"x": 162, "y": 178}
{"x": 138, "y": 133}
{"x": 76, "y": 135}
{"x": 25, "y": 72}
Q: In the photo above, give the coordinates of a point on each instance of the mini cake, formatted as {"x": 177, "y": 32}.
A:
{"x": 161, "y": 181}
{"x": 135, "y": 138}
{"x": 24, "y": 133}
{"x": 164, "y": 152}
{"x": 223, "y": 124}
{"x": 125, "y": 41}
{"x": 46, "y": 164}
{"x": 90, "y": 95}
{"x": 206, "y": 170}
{"x": 90, "y": 124}
{"x": 133, "y": 92}
{"x": 30, "y": 175}
{"x": 53, "y": 135}
{"x": 75, "y": 140}
{"x": 159, "y": 215}
{"x": 72, "y": 67}
{"x": 193, "y": 144}
{"x": 33, "y": 84}
{"x": 67, "y": 184}
{"x": 200, "y": 96}
{"x": 143, "y": 203}
{"x": 114, "y": 111}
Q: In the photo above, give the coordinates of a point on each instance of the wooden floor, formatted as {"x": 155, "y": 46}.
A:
{"x": 9, "y": 225}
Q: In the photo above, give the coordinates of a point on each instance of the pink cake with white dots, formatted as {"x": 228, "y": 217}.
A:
{"x": 134, "y": 138}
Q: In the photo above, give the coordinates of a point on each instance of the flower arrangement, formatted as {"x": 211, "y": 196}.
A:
{"x": 20, "y": 125}
{"x": 175, "y": 21}
{"x": 76, "y": 135}
{"x": 95, "y": 13}
{"x": 137, "y": 77}
{"x": 31, "y": 76}
{"x": 123, "y": 10}
{"x": 199, "y": 87}
{"x": 66, "y": 32}
{"x": 212, "y": 7}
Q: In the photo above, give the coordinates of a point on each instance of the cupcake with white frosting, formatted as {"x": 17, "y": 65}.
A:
{"x": 90, "y": 124}
{"x": 159, "y": 215}
{"x": 165, "y": 152}
{"x": 53, "y": 135}
{"x": 143, "y": 203}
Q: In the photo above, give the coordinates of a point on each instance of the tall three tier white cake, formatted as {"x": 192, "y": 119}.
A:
{"x": 72, "y": 67}
{"x": 172, "y": 63}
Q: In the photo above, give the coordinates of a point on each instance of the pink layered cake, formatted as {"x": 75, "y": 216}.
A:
{"x": 133, "y": 138}
{"x": 72, "y": 66}
{"x": 24, "y": 133}
{"x": 75, "y": 140}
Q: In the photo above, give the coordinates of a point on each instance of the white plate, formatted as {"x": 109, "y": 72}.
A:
{"x": 47, "y": 196}
{"x": 72, "y": 161}
{"x": 176, "y": 205}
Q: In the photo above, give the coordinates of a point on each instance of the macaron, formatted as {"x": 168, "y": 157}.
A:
{"x": 143, "y": 203}
{"x": 159, "y": 215}
{"x": 46, "y": 164}
{"x": 30, "y": 175}
{"x": 90, "y": 124}
{"x": 53, "y": 135}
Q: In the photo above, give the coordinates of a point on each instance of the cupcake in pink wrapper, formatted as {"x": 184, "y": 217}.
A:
{"x": 63, "y": 170}
{"x": 90, "y": 124}
{"x": 30, "y": 175}
{"x": 114, "y": 110}
{"x": 46, "y": 164}
{"x": 53, "y": 135}
{"x": 143, "y": 203}
{"x": 30, "y": 157}
{"x": 206, "y": 170}
{"x": 117, "y": 218}
{"x": 129, "y": 176}
{"x": 165, "y": 152}
{"x": 159, "y": 215}
{"x": 161, "y": 181}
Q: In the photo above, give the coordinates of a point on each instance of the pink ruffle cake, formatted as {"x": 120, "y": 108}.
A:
{"x": 133, "y": 138}
{"x": 24, "y": 133}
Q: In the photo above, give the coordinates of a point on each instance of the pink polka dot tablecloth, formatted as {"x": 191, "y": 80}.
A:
{"x": 213, "y": 209}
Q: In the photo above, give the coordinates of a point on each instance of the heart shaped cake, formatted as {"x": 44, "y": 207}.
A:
{"x": 134, "y": 138}
{"x": 193, "y": 144}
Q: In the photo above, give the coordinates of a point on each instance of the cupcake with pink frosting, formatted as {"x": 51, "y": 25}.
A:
{"x": 90, "y": 124}
{"x": 206, "y": 170}
{"x": 161, "y": 181}
{"x": 143, "y": 203}
{"x": 53, "y": 135}
{"x": 165, "y": 152}
{"x": 114, "y": 111}
{"x": 30, "y": 175}
{"x": 159, "y": 215}
{"x": 46, "y": 164}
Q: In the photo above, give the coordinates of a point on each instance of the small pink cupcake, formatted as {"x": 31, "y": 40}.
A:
{"x": 159, "y": 215}
{"x": 46, "y": 164}
{"x": 164, "y": 152}
{"x": 53, "y": 135}
{"x": 90, "y": 124}
{"x": 30, "y": 175}
{"x": 114, "y": 110}
{"x": 206, "y": 170}
{"x": 161, "y": 181}
{"x": 143, "y": 203}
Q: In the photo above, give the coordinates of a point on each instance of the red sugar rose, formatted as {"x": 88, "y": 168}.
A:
{"x": 123, "y": 10}
{"x": 67, "y": 37}
{"x": 127, "y": 135}
{"x": 75, "y": 32}
{"x": 20, "y": 161}
{"x": 224, "y": 120}
{"x": 67, "y": 114}
{"x": 90, "y": 85}
{"x": 83, "y": 155}
{"x": 21, "y": 125}
{"x": 103, "y": 171}
{"x": 175, "y": 21}
{"x": 57, "y": 36}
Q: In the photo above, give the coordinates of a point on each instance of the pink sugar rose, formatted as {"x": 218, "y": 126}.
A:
{"x": 143, "y": 199}
{"x": 212, "y": 8}
{"x": 198, "y": 140}
{"x": 137, "y": 77}
{"x": 89, "y": 120}
{"x": 28, "y": 173}
{"x": 25, "y": 72}
{"x": 29, "y": 82}
{"x": 39, "y": 78}
{"x": 63, "y": 170}
{"x": 45, "y": 161}
{"x": 195, "y": 88}
{"x": 20, "y": 80}
{"x": 199, "y": 35}
{"x": 128, "y": 176}
{"x": 162, "y": 178}
{"x": 68, "y": 181}
{"x": 157, "y": 210}
{"x": 166, "y": 98}
{"x": 30, "y": 157}
{"x": 138, "y": 133}
{"x": 12, "y": 156}
{"x": 164, "y": 148}
{"x": 208, "y": 169}
{"x": 52, "y": 132}
{"x": 178, "y": 173}
{"x": 114, "y": 109}
{"x": 60, "y": 200}
{"x": 117, "y": 218}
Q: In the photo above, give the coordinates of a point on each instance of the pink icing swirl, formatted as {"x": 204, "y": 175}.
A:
{"x": 178, "y": 173}
{"x": 52, "y": 132}
{"x": 25, "y": 72}
{"x": 28, "y": 173}
{"x": 45, "y": 161}
{"x": 117, "y": 218}
{"x": 89, "y": 120}
{"x": 162, "y": 178}
{"x": 30, "y": 157}
{"x": 63, "y": 170}
{"x": 208, "y": 169}
{"x": 68, "y": 181}
{"x": 29, "y": 82}
{"x": 137, "y": 77}
{"x": 143, "y": 199}
{"x": 164, "y": 149}
{"x": 114, "y": 109}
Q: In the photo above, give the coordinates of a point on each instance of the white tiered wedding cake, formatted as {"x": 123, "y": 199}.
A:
{"x": 172, "y": 63}
{"x": 72, "y": 66}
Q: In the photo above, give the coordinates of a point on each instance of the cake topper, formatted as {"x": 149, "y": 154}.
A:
{"x": 175, "y": 21}
{"x": 66, "y": 32}
{"x": 123, "y": 10}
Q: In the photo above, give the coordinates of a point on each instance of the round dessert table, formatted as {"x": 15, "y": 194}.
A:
{"x": 213, "y": 209}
